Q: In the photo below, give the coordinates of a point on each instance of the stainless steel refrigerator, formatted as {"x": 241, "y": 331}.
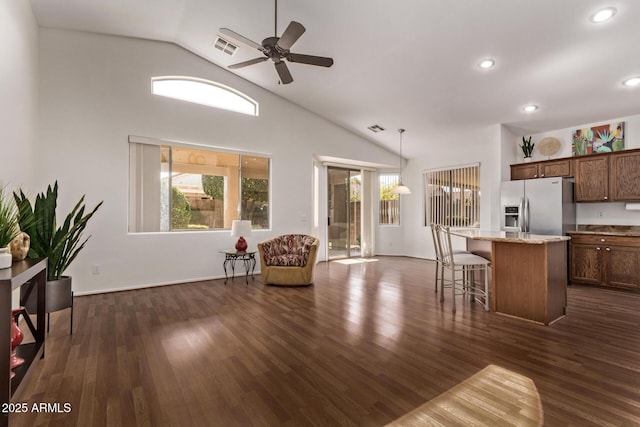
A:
{"x": 538, "y": 206}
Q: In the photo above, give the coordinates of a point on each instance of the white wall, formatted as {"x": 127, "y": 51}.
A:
{"x": 18, "y": 92}
{"x": 471, "y": 146}
{"x": 588, "y": 213}
{"x": 390, "y": 238}
{"x": 95, "y": 92}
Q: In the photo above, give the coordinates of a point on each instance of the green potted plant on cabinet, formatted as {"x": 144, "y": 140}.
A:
{"x": 527, "y": 148}
{"x": 60, "y": 244}
{"x": 9, "y": 228}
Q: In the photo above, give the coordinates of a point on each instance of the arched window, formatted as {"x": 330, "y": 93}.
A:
{"x": 205, "y": 92}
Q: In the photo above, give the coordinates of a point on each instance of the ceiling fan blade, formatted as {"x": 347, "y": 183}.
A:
{"x": 242, "y": 39}
{"x": 283, "y": 73}
{"x": 310, "y": 59}
{"x": 290, "y": 35}
{"x": 247, "y": 63}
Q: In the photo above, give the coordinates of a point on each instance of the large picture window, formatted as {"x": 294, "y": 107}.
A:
{"x": 452, "y": 196}
{"x": 177, "y": 188}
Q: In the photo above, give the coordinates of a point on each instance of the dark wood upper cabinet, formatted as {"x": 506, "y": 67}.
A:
{"x": 602, "y": 177}
{"x": 544, "y": 169}
{"x": 592, "y": 178}
{"x": 553, "y": 168}
{"x": 524, "y": 171}
{"x": 624, "y": 176}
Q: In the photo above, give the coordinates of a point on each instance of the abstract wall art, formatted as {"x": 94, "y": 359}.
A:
{"x": 598, "y": 139}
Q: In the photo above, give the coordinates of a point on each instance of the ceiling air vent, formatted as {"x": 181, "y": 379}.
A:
{"x": 225, "y": 46}
{"x": 375, "y": 128}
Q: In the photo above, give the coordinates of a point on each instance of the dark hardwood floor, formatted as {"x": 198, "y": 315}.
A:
{"x": 367, "y": 343}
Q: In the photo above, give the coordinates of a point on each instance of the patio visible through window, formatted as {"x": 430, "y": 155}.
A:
{"x": 389, "y": 201}
{"x": 182, "y": 188}
{"x": 452, "y": 196}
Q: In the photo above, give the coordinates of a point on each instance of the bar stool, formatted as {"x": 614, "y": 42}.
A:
{"x": 439, "y": 263}
{"x": 466, "y": 264}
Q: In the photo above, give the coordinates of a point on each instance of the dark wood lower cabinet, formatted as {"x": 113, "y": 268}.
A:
{"x": 605, "y": 260}
{"x": 586, "y": 263}
{"x": 622, "y": 266}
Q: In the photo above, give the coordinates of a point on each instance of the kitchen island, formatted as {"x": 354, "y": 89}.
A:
{"x": 528, "y": 272}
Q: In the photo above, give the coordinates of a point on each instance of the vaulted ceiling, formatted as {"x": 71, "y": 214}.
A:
{"x": 408, "y": 64}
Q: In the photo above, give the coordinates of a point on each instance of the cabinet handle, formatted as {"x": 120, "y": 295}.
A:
{"x": 597, "y": 248}
{"x": 608, "y": 249}
{"x": 535, "y": 176}
{"x": 605, "y": 197}
{"x": 542, "y": 175}
{"x": 602, "y": 240}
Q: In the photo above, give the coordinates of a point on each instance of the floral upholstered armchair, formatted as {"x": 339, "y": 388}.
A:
{"x": 288, "y": 259}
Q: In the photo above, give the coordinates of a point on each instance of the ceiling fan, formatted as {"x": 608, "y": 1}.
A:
{"x": 277, "y": 49}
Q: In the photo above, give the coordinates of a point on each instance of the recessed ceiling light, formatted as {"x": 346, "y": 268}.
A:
{"x": 633, "y": 81}
{"x": 486, "y": 63}
{"x": 530, "y": 108}
{"x": 603, "y": 14}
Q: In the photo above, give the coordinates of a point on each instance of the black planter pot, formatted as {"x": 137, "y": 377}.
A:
{"x": 58, "y": 296}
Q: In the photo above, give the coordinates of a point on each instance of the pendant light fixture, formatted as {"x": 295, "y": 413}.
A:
{"x": 401, "y": 188}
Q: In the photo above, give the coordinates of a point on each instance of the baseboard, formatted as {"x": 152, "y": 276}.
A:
{"x": 154, "y": 285}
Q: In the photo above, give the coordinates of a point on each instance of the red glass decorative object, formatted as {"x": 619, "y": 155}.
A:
{"x": 241, "y": 245}
{"x": 16, "y": 339}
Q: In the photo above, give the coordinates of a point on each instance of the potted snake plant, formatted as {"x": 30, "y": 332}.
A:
{"x": 59, "y": 243}
{"x": 527, "y": 148}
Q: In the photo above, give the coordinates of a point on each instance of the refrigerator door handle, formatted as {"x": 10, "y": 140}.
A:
{"x": 521, "y": 215}
{"x": 526, "y": 215}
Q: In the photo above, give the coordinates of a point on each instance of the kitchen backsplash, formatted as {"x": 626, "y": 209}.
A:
{"x": 606, "y": 214}
{"x": 601, "y": 228}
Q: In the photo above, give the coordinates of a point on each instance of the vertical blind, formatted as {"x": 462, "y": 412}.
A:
{"x": 452, "y": 196}
{"x": 389, "y": 201}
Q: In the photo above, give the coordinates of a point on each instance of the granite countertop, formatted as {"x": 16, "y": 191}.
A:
{"x": 608, "y": 230}
{"x": 508, "y": 236}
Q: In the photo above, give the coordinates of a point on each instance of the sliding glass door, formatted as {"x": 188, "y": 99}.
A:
{"x": 344, "y": 201}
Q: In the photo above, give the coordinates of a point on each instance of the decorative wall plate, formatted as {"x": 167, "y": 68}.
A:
{"x": 549, "y": 146}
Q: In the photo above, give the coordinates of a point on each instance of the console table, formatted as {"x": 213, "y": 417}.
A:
{"x": 35, "y": 272}
{"x": 248, "y": 258}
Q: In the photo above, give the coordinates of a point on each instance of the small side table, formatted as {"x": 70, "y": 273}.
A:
{"x": 248, "y": 258}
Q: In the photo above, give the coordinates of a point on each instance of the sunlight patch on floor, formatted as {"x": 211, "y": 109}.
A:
{"x": 493, "y": 396}
{"x": 349, "y": 261}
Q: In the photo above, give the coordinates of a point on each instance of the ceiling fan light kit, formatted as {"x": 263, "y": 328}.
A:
{"x": 277, "y": 49}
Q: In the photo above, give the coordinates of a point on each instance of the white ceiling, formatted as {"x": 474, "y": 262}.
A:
{"x": 408, "y": 63}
